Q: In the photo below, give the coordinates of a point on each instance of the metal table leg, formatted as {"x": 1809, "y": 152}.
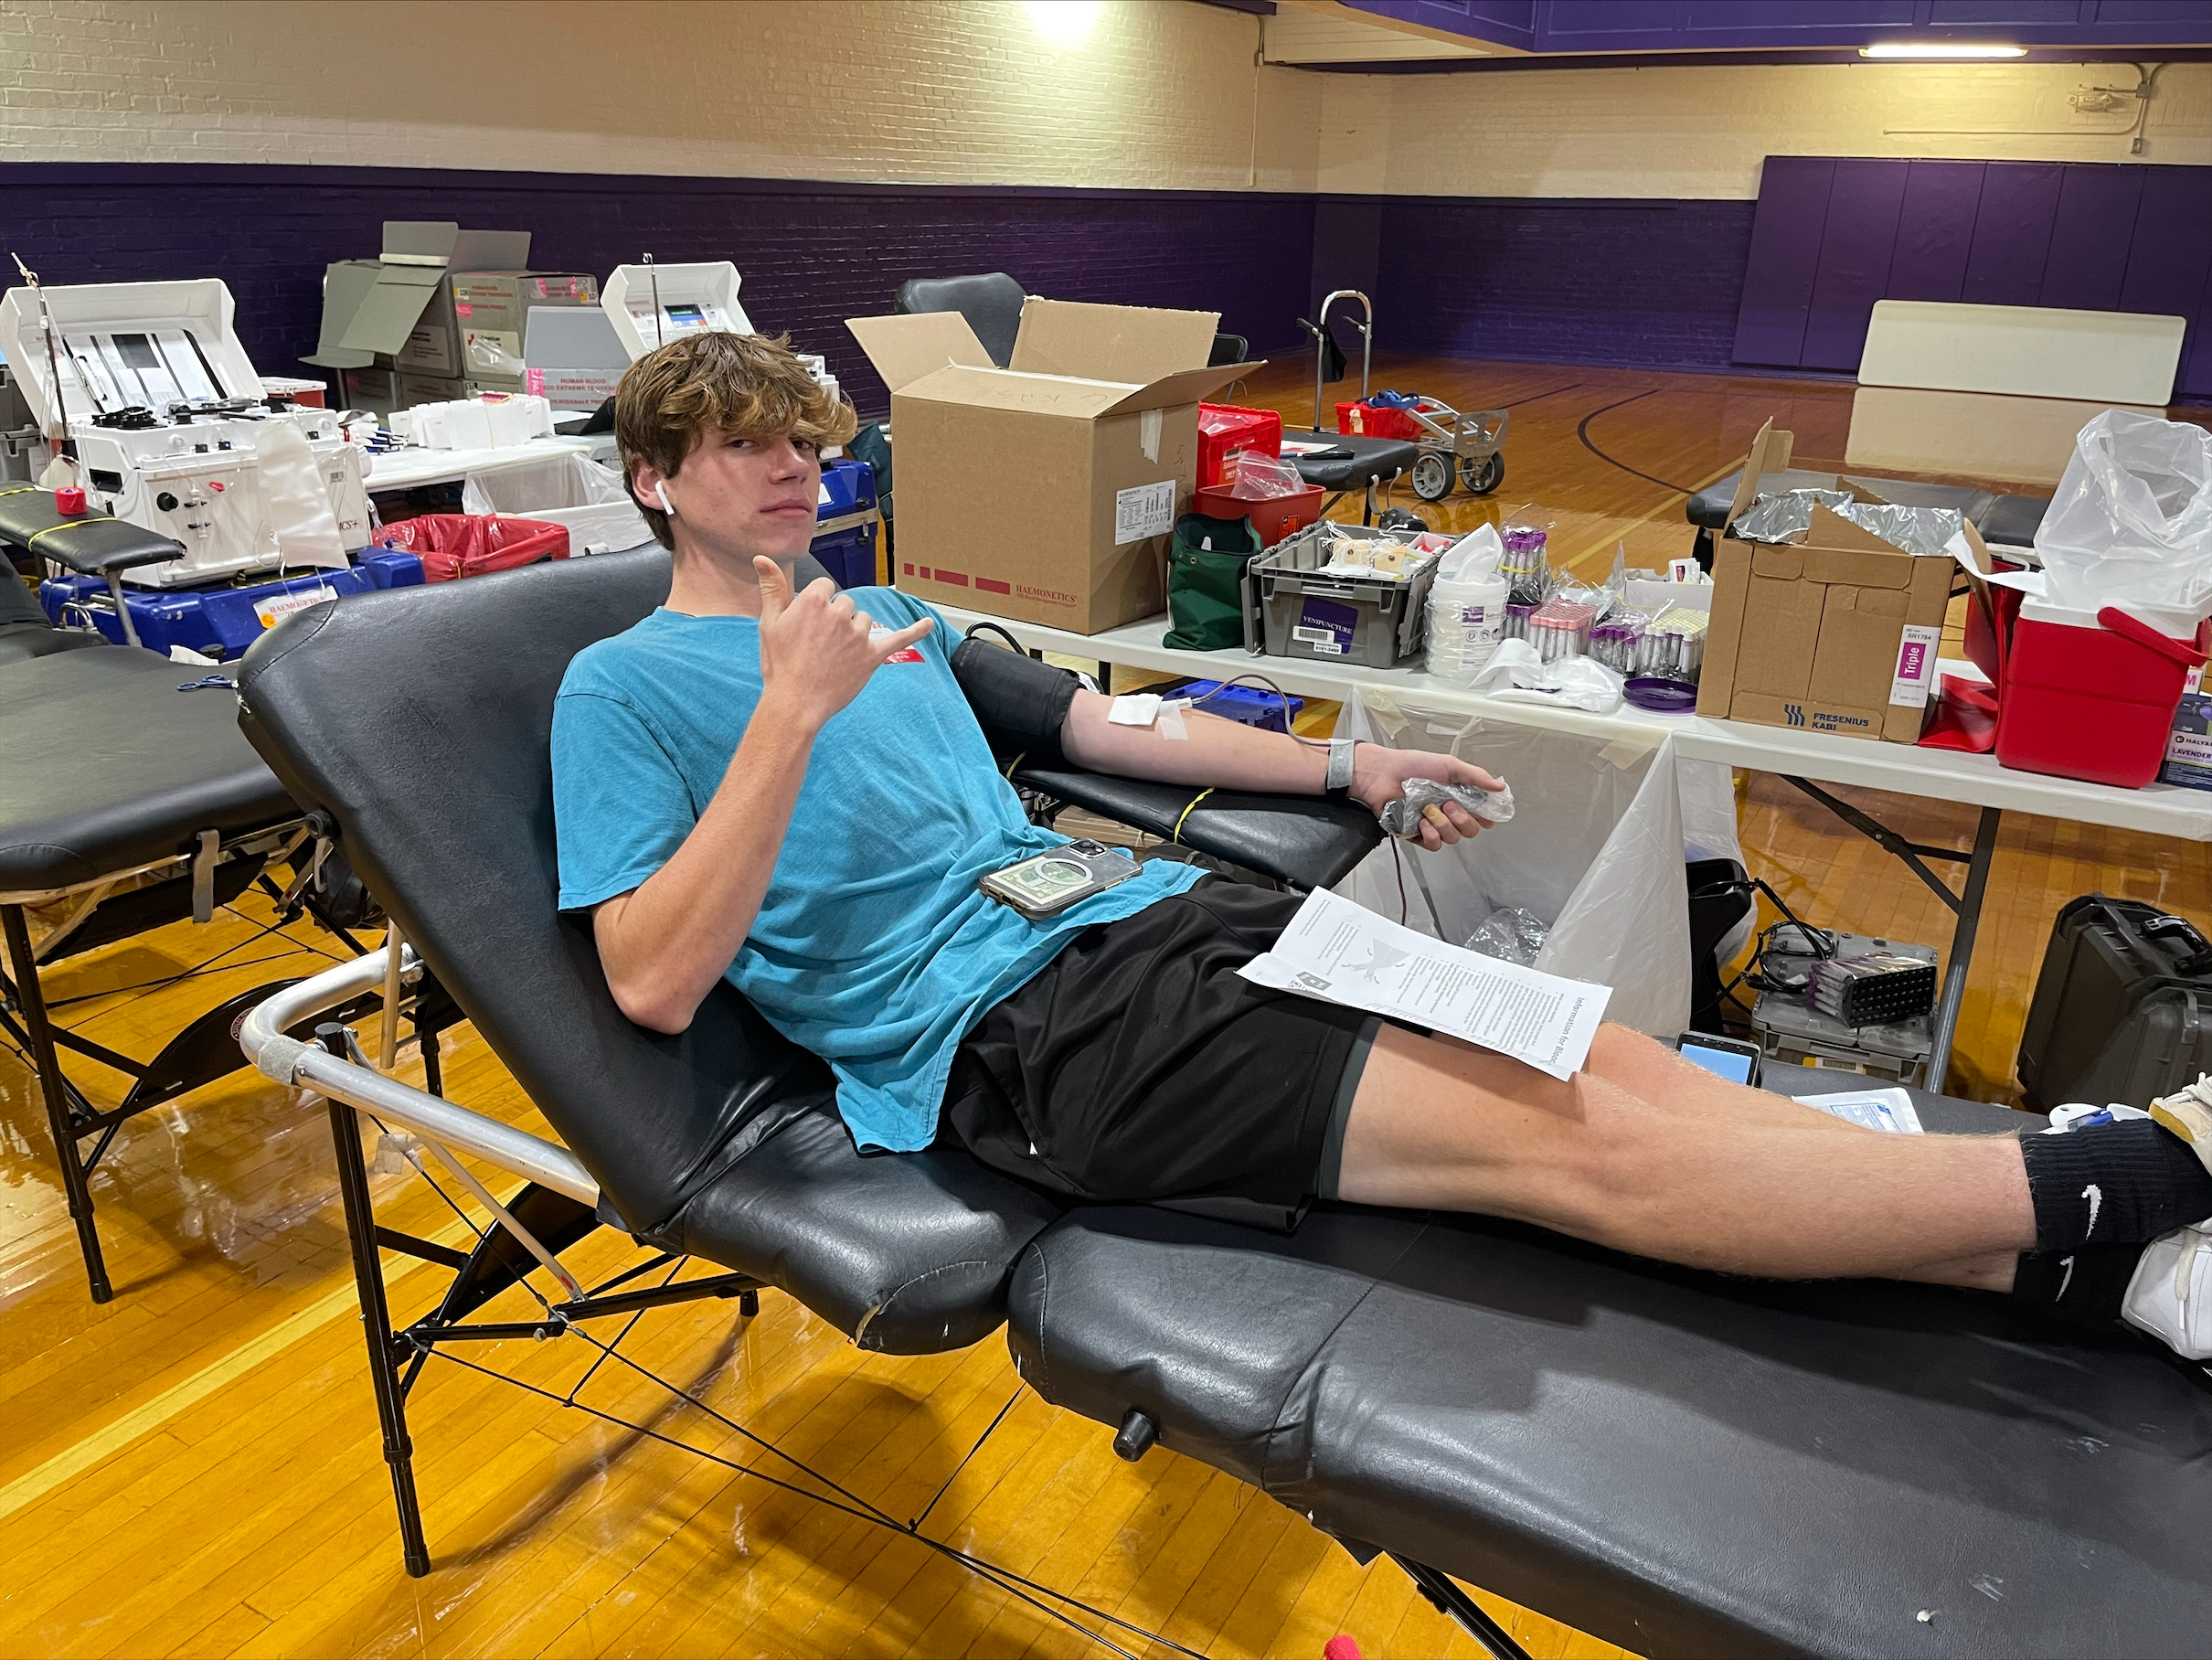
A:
{"x": 1961, "y": 948}
{"x": 24, "y": 967}
{"x": 1966, "y": 905}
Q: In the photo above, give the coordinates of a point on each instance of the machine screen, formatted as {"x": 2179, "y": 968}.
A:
{"x": 686, "y": 317}
{"x": 1728, "y": 1063}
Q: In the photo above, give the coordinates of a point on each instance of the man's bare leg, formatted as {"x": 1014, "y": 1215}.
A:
{"x": 1645, "y": 1152}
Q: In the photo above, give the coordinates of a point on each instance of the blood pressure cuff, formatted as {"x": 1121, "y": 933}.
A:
{"x": 1020, "y": 703}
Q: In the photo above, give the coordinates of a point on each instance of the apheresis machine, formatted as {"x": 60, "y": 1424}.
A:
{"x": 173, "y": 432}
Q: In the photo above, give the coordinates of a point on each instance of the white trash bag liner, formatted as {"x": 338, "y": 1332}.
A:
{"x": 1601, "y": 831}
{"x": 570, "y": 490}
{"x": 2131, "y": 523}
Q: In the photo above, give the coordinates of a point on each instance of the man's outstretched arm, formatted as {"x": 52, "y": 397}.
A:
{"x": 666, "y": 941}
{"x": 1225, "y": 755}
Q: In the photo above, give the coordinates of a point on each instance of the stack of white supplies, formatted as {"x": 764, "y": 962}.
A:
{"x": 1467, "y": 607}
{"x": 491, "y": 421}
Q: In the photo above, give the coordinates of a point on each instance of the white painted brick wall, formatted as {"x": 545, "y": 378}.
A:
{"x": 1701, "y": 130}
{"x": 1161, "y": 94}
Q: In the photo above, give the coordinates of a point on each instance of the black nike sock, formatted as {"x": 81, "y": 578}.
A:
{"x": 2122, "y": 1182}
{"x": 2083, "y": 1287}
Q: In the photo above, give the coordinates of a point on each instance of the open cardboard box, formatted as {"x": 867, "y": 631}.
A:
{"x": 1838, "y": 633}
{"x": 1046, "y": 491}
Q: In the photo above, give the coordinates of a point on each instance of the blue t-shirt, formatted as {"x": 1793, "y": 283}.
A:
{"x": 873, "y": 948}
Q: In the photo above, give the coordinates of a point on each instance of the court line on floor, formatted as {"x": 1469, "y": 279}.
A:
{"x": 73, "y": 1460}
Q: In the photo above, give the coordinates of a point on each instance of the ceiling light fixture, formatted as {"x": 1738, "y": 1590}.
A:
{"x": 1063, "y": 24}
{"x": 1938, "y": 49}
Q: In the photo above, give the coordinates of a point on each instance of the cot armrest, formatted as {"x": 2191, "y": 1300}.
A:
{"x": 1306, "y": 841}
{"x": 89, "y": 543}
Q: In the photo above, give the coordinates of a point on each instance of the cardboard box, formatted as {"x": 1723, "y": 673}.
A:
{"x": 1835, "y": 634}
{"x": 1046, "y": 491}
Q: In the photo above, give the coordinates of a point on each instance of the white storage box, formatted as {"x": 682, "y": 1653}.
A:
{"x": 569, "y": 490}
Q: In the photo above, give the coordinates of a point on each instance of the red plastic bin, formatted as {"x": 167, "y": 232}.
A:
{"x": 1273, "y": 518}
{"x": 1365, "y": 418}
{"x": 1229, "y": 429}
{"x": 2090, "y": 700}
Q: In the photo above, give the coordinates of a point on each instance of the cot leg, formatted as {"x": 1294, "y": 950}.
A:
{"x": 1445, "y": 1596}
{"x": 376, "y": 1329}
{"x": 1961, "y": 949}
{"x": 55, "y": 1089}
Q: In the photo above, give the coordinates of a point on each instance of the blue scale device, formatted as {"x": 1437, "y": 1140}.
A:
{"x": 846, "y": 522}
{"x": 220, "y": 621}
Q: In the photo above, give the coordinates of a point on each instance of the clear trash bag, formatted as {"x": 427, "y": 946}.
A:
{"x": 2132, "y": 520}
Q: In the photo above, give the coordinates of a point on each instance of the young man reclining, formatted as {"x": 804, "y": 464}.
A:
{"x": 788, "y": 791}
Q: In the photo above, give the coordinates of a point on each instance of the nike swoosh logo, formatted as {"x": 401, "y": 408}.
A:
{"x": 2096, "y": 1200}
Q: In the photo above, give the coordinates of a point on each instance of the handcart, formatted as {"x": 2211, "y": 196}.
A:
{"x": 1471, "y": 445}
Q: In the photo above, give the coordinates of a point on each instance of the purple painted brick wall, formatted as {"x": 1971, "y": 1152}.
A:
{"x": 1649, "y": 283}
{"x": 1652, "y": 284}
{"x": 812, "y": 254}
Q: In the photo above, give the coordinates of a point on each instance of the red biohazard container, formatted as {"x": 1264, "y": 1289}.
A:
{"x": 1273, "y": 518}
{"x": 2092, "y": 698}
{"x": 1229, "y": 429}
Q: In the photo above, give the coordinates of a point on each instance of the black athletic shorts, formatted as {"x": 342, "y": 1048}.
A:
{"x": 1139, "y": 1066}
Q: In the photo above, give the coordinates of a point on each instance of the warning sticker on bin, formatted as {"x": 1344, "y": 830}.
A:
{"x": 1144, "y": 510}
{"x": 1326, "y": 626}
{"x": 1916, "y": 656}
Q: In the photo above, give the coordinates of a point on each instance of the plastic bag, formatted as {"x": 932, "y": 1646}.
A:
{"x": 453, "y": 545}
{"x": 1510, "y": 934}
{"x": 2132, "y": 520}
{"x": 564, "y": 480}
{"x": 1600, "y": 833}
{"x": 1257, "y": 477}
{"x": 297, "y": 499}
{"x": 1517, "y": 673}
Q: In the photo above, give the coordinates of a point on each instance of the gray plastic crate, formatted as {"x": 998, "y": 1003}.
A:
{"x": 1793, "y": 1033}
{"x": 1293, "y": 608}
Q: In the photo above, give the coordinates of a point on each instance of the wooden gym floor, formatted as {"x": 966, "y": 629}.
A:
{"x": 195, "y": 1468}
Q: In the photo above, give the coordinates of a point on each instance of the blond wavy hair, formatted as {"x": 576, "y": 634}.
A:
{"x": 744, "y": 384}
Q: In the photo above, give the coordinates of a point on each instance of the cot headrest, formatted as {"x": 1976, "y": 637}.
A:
{"x": 421, "y": 720}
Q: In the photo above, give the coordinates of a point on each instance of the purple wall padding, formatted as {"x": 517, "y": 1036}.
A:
{"x": 1651, "y": 284}
{"x": 1679, "y": 26}
{"x": 812, "y": 254}
{"x": 1832, "y": 237}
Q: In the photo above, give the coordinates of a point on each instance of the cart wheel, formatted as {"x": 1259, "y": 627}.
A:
{"x": 1481, "y": 477}
{"x": 1432, "y": 477}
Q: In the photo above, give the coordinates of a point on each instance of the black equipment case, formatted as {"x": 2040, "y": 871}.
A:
{"x": 2121, "y": 1008}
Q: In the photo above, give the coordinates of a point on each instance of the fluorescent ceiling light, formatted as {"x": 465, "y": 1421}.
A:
{"x": 1938, "y": 49}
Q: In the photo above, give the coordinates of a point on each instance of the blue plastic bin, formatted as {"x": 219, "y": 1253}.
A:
{"x": 1254, "y": 706}
{"x": 848, "y": 554}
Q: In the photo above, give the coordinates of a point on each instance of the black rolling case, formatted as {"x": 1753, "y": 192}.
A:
{"x": 2123, "y": 1010}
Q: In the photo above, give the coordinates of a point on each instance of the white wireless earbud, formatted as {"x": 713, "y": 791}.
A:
{"x": 667, "y": 506}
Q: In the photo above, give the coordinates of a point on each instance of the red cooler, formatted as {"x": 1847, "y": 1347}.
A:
{"x": 2090, "y": 696}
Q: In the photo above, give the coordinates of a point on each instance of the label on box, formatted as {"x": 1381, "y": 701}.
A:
{"x": 278, "y": 606}
{"x": 1326, "y": 626}
{"x": 2189, "y": 746}
{"x": 1916, "y": 656}
{"x": 1144, "y": 510}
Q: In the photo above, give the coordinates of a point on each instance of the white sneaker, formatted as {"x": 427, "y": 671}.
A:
{"x": 2170, "y": 1294}
{"x": 2187, "y": 1112}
